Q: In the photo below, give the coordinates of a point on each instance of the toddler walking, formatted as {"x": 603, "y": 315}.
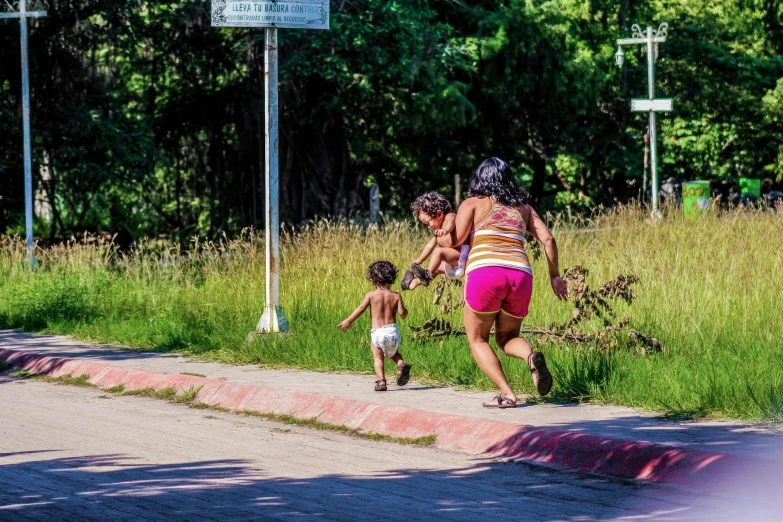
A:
{"x": 385, "y": 336}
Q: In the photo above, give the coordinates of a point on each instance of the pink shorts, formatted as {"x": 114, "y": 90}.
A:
{"x": 492, "y": 289}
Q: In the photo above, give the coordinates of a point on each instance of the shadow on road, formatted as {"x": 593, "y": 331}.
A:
{"x": 116, "y": 487}
{"x": 53, "y": 345}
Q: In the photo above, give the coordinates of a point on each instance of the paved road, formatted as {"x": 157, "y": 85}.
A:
{"x": 69, "y": 453}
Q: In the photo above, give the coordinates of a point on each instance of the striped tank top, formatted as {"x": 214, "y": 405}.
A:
{"x": 499, "y": 240}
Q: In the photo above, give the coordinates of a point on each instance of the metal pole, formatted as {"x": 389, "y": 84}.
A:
{"x": 28, "y": 169}
{"x": 273, "y": 319}
{"x": 271, "y": 148}
{"x": 375, "y": 204}
{"x": 646, "y": 164}
{"x": 653, "y": 141}
{"x": 457, "y": 190}
{"x": 651, "y": 39}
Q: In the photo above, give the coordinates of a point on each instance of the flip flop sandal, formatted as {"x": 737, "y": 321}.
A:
{"x": 500, "y": 402}
{"x": 407, "y": 280}
{"x": 379, "y": 386}
{"x": 541, "y": 376}
{"x": 424, "y": 275}
{"x": 404, "y": 375}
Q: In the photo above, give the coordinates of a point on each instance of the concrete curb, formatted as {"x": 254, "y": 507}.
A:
{"x": 564, "y": 449}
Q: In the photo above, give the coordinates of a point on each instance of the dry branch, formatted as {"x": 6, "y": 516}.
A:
{"x": 588, "y": 304}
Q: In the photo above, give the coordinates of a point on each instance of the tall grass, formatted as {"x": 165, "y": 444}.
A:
{"x": 709, "y": 289}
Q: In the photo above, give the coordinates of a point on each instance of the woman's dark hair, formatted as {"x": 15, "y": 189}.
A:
{"x": 430, "y": 203}
{"x": 495, "y": 178}
{"x": 382, "y": 273}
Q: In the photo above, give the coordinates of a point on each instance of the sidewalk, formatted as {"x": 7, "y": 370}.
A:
{"x": 604, "y": 439}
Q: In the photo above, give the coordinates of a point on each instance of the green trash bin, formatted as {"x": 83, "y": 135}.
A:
{"x": 695, "y": 197}
{"x": 750, "y": 186}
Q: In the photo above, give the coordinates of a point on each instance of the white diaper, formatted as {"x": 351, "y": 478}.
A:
{"x": 387, "y": 338}
{"x": 453, "y": 272}
{"x": 457, "y": 272}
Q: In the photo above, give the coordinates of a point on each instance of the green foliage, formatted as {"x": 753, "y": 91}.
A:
{"x": 718, "y": 72}
{"x": 773, "y": 108}
{"x": 146, "y": 120}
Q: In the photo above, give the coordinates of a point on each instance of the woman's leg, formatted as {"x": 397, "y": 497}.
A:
{"x": 477, "y": 327}
{"x": 508, "y": 339}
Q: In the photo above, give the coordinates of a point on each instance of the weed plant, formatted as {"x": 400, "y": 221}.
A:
{"x": 709, "y": 289}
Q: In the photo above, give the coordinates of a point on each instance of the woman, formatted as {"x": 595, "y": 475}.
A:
{"x": 499, "y": 278}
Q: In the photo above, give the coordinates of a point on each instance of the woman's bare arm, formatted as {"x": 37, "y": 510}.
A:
{"x": 463, "y": 226}
{"x": 539, "y": 230}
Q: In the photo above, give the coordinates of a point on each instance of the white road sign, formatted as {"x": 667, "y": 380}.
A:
{"x": 659, "y": 105}
{"x": 298, "y": 14}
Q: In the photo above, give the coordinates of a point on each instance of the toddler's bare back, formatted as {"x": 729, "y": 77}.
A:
{"x": 384, "y": 306}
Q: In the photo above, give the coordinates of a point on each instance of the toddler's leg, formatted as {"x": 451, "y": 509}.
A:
{"x": 377, "y": 357}
{"x": 441, "y": 255}
{"x": 403, "y": 370}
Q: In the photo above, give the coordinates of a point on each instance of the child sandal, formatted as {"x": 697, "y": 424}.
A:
{"x": 424, "y": 275}
{"x": 404, "y": 375}
{"x": 407, "y": 279}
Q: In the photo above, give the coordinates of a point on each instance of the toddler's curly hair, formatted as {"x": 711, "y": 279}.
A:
{"x": 382, "y": 273}
{"x": 430, "y": 203}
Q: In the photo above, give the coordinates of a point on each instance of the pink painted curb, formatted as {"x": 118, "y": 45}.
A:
{"x": 577, "y": 451}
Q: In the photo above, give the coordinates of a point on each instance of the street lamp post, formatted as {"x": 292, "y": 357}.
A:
{"x": 649, "y": 38}
{"x": 23, "y": 14}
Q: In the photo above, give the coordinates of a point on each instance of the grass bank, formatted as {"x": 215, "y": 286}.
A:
{"x": 709, "y": 290}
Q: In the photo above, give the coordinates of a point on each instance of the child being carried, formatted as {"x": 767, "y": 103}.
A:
{"x": 434, "y": 210}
